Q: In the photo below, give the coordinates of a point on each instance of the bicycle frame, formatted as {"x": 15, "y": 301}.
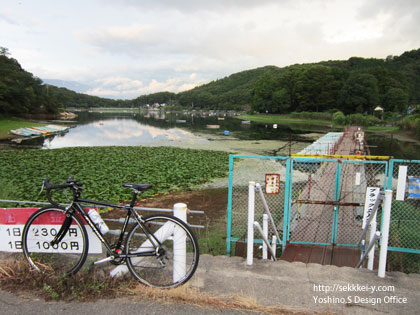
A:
{"x": 75, "y": 206}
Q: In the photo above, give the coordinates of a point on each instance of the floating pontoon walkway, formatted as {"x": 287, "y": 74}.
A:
{"x": 312, "y": 219}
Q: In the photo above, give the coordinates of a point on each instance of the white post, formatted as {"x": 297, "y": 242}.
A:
{"x": 258, "y": 227}
{"x": 274, "y": 246}
{"x": 251, "y": 209}
{"x": 371, "y": 256}
{"x": 385, "y": 233}
{"x": 402, "y": 182}
{"x": 265, "y": 231}
{"x": 180, "y": 243}
{"x": 164, "y": 233}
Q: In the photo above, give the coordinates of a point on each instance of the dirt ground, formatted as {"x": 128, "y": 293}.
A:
{"x": 208, "y": 200}
{"x": 212, "y": 201}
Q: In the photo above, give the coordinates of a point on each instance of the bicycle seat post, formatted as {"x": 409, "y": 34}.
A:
{"x": 133, "y": 201}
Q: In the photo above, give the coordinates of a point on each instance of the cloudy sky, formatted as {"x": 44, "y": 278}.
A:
{"x": 125, "y": 48}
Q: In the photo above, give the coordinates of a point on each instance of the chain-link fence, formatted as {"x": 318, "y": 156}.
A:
{"x": 244, "y": 169}
{"x": 404, "y": 234}
{"x": 320, "y": 201}
{"x": 327, "y": 199}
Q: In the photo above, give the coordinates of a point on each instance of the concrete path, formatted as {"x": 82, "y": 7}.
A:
{"x": 300, "y": 288}
{"x": 310, "y": 287}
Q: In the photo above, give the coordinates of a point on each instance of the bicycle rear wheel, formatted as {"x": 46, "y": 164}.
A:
{"x": 66, "y": 257}
{"x": 174, "y": 263}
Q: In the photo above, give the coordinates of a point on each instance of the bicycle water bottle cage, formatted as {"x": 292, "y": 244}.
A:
{"x": 63, "y": 230}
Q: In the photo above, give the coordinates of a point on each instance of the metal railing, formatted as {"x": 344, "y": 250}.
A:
{"x": 121, "y": 220}
{"x": 383, "y": 235}
{"x": 374, "y": 235}
{"x": 267, "y": 217}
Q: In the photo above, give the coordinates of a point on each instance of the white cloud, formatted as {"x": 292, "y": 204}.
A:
{"x": 124, "y": 48}
{"x": 119, "y": 87}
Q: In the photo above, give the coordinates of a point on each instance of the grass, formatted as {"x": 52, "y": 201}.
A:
{"x": 17, "y": 276}
{"x": 212, "y": 240}
{"x": 7, "y": 124}
{"x": 383, "y": 128}
{"x": 282, "y": 119}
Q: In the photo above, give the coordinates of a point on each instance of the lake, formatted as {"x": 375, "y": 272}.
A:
{"x": 205, "y": 129}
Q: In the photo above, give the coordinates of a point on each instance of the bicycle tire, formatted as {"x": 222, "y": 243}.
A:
{"x": 66, "y": 257}
{"x": 169, "y": 270}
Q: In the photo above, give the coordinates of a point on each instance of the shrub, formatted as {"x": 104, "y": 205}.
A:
{"x": 361, "y": 120}
{"x": 339, "y": 118}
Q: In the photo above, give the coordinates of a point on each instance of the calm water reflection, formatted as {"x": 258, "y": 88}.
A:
{"x": 191, "y": 129}
{"x": 117, "y": 131}
{"x": 159, "y": 128}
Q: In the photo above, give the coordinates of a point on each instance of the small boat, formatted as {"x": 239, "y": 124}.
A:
{"x": 220, "y": 118}
{"x": 21, "y": 132}
{"x": 213, "y": 126}
{"x": 39, "y": 131}
{"x": 245, "y": 122}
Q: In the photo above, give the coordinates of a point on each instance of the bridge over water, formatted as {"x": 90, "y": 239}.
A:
{"x": 326, "y": 211}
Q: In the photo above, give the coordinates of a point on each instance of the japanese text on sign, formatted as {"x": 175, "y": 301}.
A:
{"x": 272, "y": 183}
{"x": 372, "y": 194}
{"x": 12, "y": 222}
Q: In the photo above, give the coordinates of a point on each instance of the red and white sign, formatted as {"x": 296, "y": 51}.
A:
{"x": 272, "y": 183}
{"x": 12, "y": 222}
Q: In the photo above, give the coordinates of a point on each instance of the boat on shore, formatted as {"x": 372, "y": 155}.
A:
{"x": 39, "y": 131}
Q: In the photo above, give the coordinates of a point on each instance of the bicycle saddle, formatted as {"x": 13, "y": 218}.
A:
{"x": 139, "y": 187}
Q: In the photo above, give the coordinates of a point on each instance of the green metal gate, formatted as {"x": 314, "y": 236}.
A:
{"x": 320, "y": 201}
{"x": 327, "y": 197}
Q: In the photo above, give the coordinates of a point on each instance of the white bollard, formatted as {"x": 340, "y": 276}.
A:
{"x": 162, "y": 235}
{"x": 180, "y": 243}
{"x": 251, "y": 209}
{"x": 265, "y": 231}
{"x": 385, "y": 233}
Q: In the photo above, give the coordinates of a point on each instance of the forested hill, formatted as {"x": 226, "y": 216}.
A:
{"x": 22, "y": 93}
{"x": 353, "y": 85}
{"x": 234, "y": 91}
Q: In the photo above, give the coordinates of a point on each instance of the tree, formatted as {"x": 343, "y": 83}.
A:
{"x": 4, "y": 51}
{"x": 396, "y": 100}
{"x": 289, "y": 80}
{"x": 360, "y": 93}
{"x": 281, "y": 101}
{"x": 262, "y": 100}
{"x": 318, "y": 87}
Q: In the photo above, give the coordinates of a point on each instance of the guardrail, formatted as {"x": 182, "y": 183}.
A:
{"x": 40, "y": 203}
{"x": 375, "y": 235}
{"x": 252, "y": 188}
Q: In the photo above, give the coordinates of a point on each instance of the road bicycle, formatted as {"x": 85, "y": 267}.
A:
{"x": 159, "y": 250}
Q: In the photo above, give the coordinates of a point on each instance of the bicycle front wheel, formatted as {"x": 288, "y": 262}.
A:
{"x": 66, "y": 257}
{"x": 167, "y": 266}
